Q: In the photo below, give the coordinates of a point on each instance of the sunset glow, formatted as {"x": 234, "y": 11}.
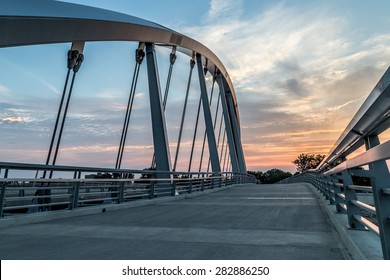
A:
{"x": 301, "y": 69}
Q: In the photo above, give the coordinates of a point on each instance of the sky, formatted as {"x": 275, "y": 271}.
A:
{"x": 301, "y": 69}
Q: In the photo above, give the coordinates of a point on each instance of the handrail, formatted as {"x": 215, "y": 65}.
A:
{"x": 378, "y": 153}
{"x": 82, "y": 169}
{"x": 367, "y": 223}
{"x": 372, "y": 118}
{"x": 358, "y": 202}
{"x": 32, "y": 195}
{"x": 361, "y": 188}
{"x": 364, "y": 206}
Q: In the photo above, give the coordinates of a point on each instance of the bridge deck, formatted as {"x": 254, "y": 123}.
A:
{"x": 244, "y": 222}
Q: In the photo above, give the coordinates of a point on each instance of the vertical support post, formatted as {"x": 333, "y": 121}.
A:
{"x": 152, "y": 190}
{"x": 190, "y": 187}
{"x": 380, "y": 180}
{"x": 75, "y": 196}
{"x": 172, "y": 59}
{"x": 160, "y": 140}
{"x": 207, "y": 116}
{"x": 215, "y": 123}
{"x": 228, "y": 127}
{"x": 121, "y": 192}
{"x": 173, "y": 188}
{"x": 331, "y": 191}
{"x": 324, "y": 183}
{"x": 76, "y": 191}
{"x": 2, "y": 195}
{"x": 236, "y": 133}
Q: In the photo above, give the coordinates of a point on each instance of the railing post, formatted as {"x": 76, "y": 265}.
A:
{"x": 320, "y": 186}
{"x": 380, "y": 181}
{"x": 190, "y": 187}
{"x": 173, "y": 188}
{"x": 350, "y": 194}
{"x": 152, "y": 190}
{"x": 121, "y": 192}
{"x": 2, "y": 195}
{"x": 75, "y": 196}
{"x": 328, "y": 189}
{"x": 202, "y": 187}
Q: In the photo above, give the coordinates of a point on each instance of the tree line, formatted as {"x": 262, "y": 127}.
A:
{"x": 303, "y": 163}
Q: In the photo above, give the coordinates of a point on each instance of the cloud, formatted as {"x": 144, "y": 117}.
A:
{"x": 294, "y": 86}
{"x": 345, "y": 104}
{"x": 300, "y": 74}
{"x": 17, "y": 119}
{"x": 225, "y": 10}
{"x": 14, "y": 114}
{"x": 4, "y": 90}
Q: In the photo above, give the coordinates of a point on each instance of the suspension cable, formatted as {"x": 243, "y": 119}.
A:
{"x": 139, "y": 56}
{"x": 192, "y": 64}
{"x": 74, "y": 62}
{"x": 70, "y": 63}
{"x": 172, "y": 59}
{"x": 58, "y": 117}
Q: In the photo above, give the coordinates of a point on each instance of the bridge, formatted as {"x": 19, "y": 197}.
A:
{"x": 202, "y": 204}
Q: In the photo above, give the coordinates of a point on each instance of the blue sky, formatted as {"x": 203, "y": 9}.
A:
{"x": 301, "y": 70}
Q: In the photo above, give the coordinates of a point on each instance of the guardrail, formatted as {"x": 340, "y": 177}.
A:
{"x": 360, "y": 185}
{"x": 23, "y": 196}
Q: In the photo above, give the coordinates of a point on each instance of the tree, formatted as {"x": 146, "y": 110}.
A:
{"x": 271, "y": 176}
{"x": 307, "y": 161}
{"x": 275, "y": 175}
{"x": 257, "y": 174}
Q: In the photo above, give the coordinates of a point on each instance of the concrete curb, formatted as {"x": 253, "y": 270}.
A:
{"x": 63, "y": 214}
{"x": 360, "y": 245}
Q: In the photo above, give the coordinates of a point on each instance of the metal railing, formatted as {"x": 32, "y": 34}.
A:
{"x": 24, "y": 196}
{"x": 360, "y": 185}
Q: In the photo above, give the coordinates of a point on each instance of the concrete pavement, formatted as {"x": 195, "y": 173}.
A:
{"x": 245, "y": 222}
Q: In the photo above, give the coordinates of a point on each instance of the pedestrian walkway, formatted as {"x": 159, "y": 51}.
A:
{"x": 244, "y": 222}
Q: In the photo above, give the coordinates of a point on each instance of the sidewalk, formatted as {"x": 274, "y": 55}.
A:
{"x": 244, "y": 222}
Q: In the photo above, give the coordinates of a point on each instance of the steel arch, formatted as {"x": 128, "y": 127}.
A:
{"x": 24, "y": 22}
